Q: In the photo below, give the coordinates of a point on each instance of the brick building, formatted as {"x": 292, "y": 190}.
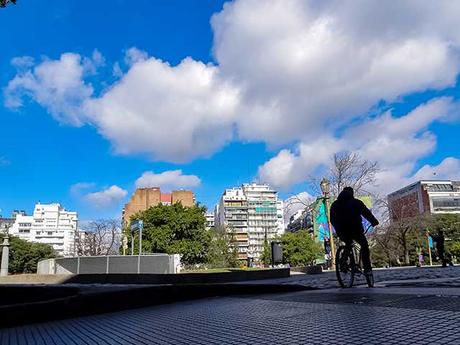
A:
{"x": 425, "y": 197}
{"x": 144, "y": 198}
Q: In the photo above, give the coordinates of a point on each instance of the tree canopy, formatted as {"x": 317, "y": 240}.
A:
{"x": 401, "y": 241}
{"x": 299, "y": 248}
{"x": 175, "y": 229}
{"x": 25, "y": 255}
{"x": 222, "y": 252}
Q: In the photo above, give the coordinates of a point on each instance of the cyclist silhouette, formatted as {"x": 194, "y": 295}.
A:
{"x": 346, "y": 214}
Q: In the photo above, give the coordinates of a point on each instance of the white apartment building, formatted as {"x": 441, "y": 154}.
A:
{"x": 50, "y": 224}
{"x": 209, "y": 220}
{"x": 252, "y": 214}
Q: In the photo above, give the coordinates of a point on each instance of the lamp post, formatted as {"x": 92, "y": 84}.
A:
{"x": 326, "y": 190}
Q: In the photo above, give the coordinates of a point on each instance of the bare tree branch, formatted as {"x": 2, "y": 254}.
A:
{"x": 350, "y": 170}
{"x": 101, "y": 237}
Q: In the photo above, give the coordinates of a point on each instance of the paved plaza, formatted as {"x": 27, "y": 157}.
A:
{"x": 408, "y": 306}
{"x": 394, "y": 276}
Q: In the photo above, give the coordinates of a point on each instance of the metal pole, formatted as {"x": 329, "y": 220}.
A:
{"x": 141, "y": 226}
{"x": 331, "y": 236}
{"x": 132, "y": 242}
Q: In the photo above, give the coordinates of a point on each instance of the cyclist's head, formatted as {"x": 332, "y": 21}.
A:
{"x": 346, "y": 194}
{"x": 349, "y": 190}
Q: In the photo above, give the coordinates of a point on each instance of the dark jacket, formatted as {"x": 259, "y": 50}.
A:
{"x": 346, "y": 214}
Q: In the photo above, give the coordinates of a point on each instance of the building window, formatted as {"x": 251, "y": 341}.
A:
{"x": 440, "y": 203}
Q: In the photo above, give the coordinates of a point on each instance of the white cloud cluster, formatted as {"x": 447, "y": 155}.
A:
{"x": 304, "y": 66}
{"x": 169, "y": 113}
{"x": 397, "y": 143}
{"x": 287, "y": 71}
{"x": 106, "y": 197}
{"x": 168, "y": 180}
{"x": 296, "y": 203}
{"x": 57, "y": 85}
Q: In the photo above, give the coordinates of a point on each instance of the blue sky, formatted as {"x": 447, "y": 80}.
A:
{"x": 267, "y": 92}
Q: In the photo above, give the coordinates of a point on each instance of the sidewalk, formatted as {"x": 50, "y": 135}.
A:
{"x": 408, "y": 306}
{"x": 333, "y": 316}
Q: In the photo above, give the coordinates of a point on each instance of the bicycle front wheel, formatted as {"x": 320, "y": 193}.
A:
{"x": 344, "y": 267}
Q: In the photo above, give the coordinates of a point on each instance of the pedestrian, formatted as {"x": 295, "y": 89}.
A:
{"x": 421, "y": 259}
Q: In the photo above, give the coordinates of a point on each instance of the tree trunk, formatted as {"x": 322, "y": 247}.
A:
{"x": 406, "y": 251}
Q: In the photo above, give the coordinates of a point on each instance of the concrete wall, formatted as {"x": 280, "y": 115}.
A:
{"x": 149, "y": 264}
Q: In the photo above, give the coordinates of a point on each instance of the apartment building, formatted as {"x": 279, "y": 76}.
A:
{"x": 50, "y": 224}
{"x": 209, "y": 220}
{"x": 252, "y": 214}
{"x": 425, "y": 197}
{"x": 144, "y": 198}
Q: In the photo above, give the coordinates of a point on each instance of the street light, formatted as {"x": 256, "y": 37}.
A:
{"x": 326, "y": 189}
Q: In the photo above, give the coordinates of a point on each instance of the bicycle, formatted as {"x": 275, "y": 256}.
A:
{"x": 349, "y": 263}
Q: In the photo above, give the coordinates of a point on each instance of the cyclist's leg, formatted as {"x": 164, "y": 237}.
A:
{"x": 361, "y": 239}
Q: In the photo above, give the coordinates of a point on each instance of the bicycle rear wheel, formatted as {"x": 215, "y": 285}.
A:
{"x": 344, "y": 267}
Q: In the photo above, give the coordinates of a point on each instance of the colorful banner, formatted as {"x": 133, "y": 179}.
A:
{"x": 320, "y": 223}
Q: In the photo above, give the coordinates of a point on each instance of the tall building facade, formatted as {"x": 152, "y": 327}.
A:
{"x": 425, "y": 197}
{"x": 144, "y": 198}
{"x": 50, "y": 224}
{"x": 252, "y": 214}
{"x": 209, "y": 220}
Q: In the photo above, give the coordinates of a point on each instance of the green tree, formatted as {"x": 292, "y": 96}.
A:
{"x": 266, "y": 257}
{"x": 175, "y": 229}
{"x": 25, "y": 255}
{"x": 385, "y": 248}
{"x": 221, "y": 252}
{"x": 299, "y": 248}
{"x": 410, "y": 234}
{"x": 448, "y": 223}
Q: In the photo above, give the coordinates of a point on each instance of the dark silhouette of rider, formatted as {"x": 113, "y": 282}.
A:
{"x": 346, "y": 214}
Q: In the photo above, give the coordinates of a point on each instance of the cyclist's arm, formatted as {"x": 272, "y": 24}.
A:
{"x": 366, "y": 213}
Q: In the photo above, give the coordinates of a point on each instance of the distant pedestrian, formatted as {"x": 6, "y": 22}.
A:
{"x": 421, "y": 259}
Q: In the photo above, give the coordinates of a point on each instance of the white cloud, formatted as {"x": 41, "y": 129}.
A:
{"x": 295, "y": 203}
{"x": 168, "y": 180}
{"x": 290, "y": 167}
{"x": 54, "y": 84}
{"x": 134, "y": 55}
{"x": 396, "y": 143}
{"x": 448, "y": 169}
{"x": 308, "y": 66}
{"x": 78, "y": 188}
{"x": 169, "y": 113}
{"x": 106, "y": 198}
{"x": 22, "y": 62}
{"x": 287, "y": 71}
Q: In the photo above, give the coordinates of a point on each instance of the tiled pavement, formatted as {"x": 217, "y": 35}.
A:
{"x": 418, "y": 314}
{"x": 327, "y": 280}
{"x": 354, "y": 316}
